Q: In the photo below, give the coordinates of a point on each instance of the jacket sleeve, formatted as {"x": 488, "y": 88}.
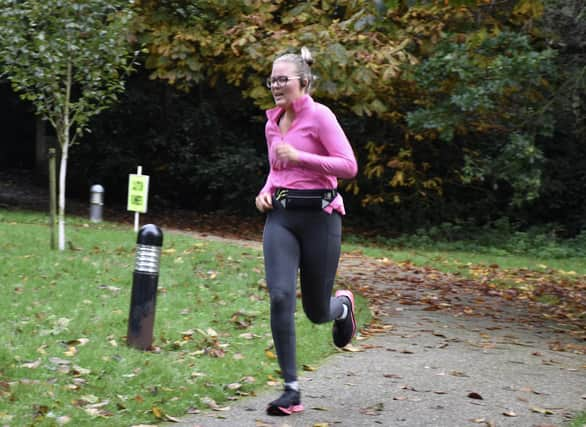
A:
{"x": 340, "y": 161}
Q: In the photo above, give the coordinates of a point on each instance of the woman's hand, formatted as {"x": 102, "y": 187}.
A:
{"x": 286, "y": 153}
{"x": 264, "y": 202}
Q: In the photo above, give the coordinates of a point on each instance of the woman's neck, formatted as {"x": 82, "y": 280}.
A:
{"x": 289, "y": 113}
{"x": 286, "y": 120}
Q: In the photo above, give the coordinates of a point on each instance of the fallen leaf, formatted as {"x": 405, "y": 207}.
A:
{"x": 196, "y": 374}
{"x": 90, "y": 398}
{"x": 484, "y": 421}
{"x": 63, "y": 420}
{"x": 31, "y": 365}
{"x": 249, "y": 336}
{"x": 373, "y": 410}
{"x": 396, "y": 376}
{"x": 233, "y": 386}
{"x": 407, "y": 387}
{"x": 72, "y": 351}
{"x": 541, "y": 410}
{"x": 211, "y": 403}
{"x": 157, "y": 412}
{"x": 97, "y": 412}
{"x": 78, "y": 341}
{"x": 216, "y": 352}
{"x": 78, "y": 371}
{"x": 59, "y": 361}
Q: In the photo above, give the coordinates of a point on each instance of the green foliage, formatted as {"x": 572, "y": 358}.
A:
{"x": 489, "y": 89}
{"x": 68, "y": 59}
{"x": 479, "y": 146}
{"x": 489, "y": 95}
{"x": 190, "y": 42}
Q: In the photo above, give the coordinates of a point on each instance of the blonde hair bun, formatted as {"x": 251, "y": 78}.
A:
{"x": 306, "y": 56}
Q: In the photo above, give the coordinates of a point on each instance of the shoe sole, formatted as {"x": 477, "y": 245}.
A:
{"x": 279, "y": 410}
{"x": 350, "y": 296}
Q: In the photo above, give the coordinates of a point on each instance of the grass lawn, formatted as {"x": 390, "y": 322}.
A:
{"x": 580, "y": 421}
{"x": 63, "y": 355}
{"x": 457, "y": 256}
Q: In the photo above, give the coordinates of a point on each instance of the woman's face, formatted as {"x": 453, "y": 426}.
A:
{"x": 285, "y": 95}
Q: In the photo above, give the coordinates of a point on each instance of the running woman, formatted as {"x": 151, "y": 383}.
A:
{"x": 307, "y": 151}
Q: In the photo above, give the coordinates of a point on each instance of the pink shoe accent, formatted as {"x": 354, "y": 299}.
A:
{"x": 291, "y": 409}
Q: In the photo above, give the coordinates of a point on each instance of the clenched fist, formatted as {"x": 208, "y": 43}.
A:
{"x": 286, "y": 153}
{"x": 264, "y": 202}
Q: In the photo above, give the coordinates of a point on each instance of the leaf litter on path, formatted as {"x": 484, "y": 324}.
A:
{"x": 404, "y": 284}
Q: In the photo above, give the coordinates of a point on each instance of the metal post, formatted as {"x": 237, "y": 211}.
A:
{"x": 96, "y": 203}
{"x": 52, "y": 196}
{"x": 144, "y": 287}
{"x": 136, "y": 214}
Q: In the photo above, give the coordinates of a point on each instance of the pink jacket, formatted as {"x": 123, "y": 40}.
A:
{"x": 324, "y": 151}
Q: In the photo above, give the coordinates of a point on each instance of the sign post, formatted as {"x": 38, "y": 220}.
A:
{"x": 138, "y": 192}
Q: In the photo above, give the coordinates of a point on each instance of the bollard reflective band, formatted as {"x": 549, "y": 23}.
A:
{"x": 147, "y": 258}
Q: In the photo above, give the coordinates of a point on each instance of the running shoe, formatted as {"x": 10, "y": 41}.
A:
{"x": 344, "y": 329}
{"x": 289, "y": 403}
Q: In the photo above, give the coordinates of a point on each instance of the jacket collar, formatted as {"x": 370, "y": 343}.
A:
{"x": 302, "y": 103}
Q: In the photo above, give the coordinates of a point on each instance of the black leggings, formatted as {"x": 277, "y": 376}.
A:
{"x": 308, "y": 241}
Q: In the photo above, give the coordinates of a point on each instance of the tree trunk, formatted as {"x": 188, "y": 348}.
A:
{"x": 64, "y": 140}
{"x": 62, "y": 176}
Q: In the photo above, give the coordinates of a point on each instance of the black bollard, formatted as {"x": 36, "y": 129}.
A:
{"x": 144, "y": 287}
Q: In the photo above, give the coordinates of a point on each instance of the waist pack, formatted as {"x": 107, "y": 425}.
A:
{"x": 304, "y": 199}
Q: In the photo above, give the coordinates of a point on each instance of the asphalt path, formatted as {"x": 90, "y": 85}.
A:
{"x": 432, "y": 368}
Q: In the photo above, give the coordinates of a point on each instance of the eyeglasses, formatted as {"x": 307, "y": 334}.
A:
{"x": 280, "y": 81}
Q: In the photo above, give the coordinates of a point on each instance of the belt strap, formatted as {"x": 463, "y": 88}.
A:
{"x": 325, "y": 196}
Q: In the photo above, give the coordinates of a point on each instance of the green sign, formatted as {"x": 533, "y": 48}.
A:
{"x": 138, "y": 192}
